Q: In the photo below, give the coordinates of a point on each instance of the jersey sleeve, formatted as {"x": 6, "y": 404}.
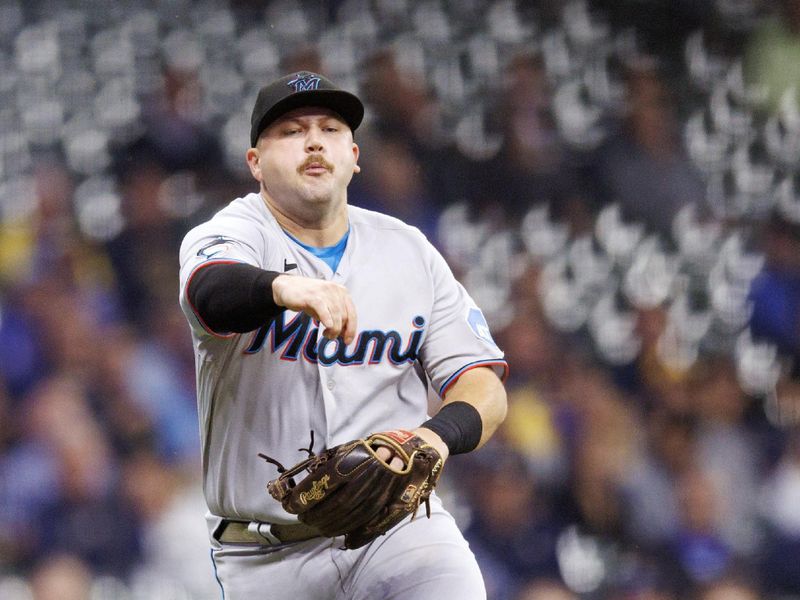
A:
{"x": 458, "y": 338}
{"x": 218, "y": 241}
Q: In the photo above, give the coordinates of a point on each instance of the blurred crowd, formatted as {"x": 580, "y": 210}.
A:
{"x": 616, "y": 183}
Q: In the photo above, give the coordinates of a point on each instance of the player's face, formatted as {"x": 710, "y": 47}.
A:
{"x": 307, "y": 157}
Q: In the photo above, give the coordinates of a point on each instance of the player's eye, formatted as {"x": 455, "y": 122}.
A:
{"x": 292, "y": 131}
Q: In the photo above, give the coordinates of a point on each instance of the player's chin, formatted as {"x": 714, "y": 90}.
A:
{"x": 317, "y": 195}
{"x": 319, "y": 185}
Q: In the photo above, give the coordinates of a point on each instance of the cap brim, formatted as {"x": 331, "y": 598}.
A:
{"x": 345, "y": 104}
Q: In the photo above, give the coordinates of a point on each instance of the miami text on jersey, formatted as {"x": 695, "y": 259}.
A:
{"x": 300, "y": 337}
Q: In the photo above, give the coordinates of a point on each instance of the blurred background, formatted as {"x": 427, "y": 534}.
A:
{"x": 615, "y": 182}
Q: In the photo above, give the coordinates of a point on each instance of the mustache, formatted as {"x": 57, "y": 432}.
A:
{"x": 315, "y": 159}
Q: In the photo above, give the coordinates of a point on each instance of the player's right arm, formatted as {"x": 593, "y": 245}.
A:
{"x": 226, "y": 287}
{"x": 234, "y": 297}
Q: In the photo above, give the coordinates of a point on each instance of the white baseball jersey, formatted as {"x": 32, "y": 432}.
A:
{"x": 266, "y": 390}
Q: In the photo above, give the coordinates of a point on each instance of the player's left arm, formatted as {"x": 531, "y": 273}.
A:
{"x": 473, "y": 409}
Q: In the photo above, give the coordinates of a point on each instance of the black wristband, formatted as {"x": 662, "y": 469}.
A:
{"x": 460, "y": 426}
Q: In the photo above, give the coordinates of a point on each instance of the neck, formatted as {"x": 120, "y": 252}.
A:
{"x": 315, "y": 229}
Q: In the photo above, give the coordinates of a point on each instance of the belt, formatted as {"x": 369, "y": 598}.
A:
{"x": 263, "y": 534}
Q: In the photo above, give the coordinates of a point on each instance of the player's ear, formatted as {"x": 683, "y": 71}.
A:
{"x": 253, "y": 161}
{"x": 356, "y": 152}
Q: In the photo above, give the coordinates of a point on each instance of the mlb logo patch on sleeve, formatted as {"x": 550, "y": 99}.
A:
{"x": 479, "y": 325}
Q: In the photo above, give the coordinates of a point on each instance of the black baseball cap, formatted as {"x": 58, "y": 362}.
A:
{"x": 302, "y": 89}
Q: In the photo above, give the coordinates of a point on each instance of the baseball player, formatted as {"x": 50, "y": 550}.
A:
{"x": 316, "y": 323}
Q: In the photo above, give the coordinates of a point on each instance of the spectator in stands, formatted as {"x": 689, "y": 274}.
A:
{"x": 59, "y": 483}
{"x": 595, "y": 495}
{"x": 392, "y": 181}
{"x": 129, "y": 425}
{"x": 778, "y": 502}
{"x": 644, "y": 167}
{"x": 61, "y": 577}
{"x": 772, "y": 58}
{"x": 698, "y": 554}
{"x": 400, "y": 103}
{"x": 174, "y": 540}
{"x": 532, "y": 167}
{"x": 591, "y": 506}
{"x": 35, "y": 244}
{"x": 59, "y": 275}
{"x": 405, "y": 117}
{"x": 530, "y": 342}
{"x": 86, "y": 516}
{"x": 650, "y": 486}
{"x": 533, "y": 431}
{"x": 513, "y": 529}
{"x": 139, "y": 253}
{"x": 727, "y": 448}
{"x": 149, "y": 385}
{"x": 775, "y": 292}
{"x": 174, "y": 132}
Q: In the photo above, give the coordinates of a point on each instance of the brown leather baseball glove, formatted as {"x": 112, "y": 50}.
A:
{"x": 350, "y": 491}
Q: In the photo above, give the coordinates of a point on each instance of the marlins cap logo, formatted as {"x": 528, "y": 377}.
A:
{"x": 304, "y": 81}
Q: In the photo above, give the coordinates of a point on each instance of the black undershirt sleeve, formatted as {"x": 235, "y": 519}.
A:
{"x": 233, "y": 298}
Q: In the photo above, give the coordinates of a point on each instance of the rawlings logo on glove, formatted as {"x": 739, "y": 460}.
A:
{"x": 350, "y": 490}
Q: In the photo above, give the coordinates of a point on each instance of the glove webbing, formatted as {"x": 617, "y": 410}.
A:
{"x": 281, "y": 468}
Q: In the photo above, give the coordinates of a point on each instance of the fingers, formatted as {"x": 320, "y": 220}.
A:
{"x": 338, "y": 316}
{"x": 351, "y": 321}
{"x": 329, "y": 303}
{"x": 385, "y": 454}
{"x": 331, "y": 322}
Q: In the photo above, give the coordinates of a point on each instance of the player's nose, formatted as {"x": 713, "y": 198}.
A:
{"x": 313, "y": 140}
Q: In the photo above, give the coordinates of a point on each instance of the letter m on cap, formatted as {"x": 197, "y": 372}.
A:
{"x": 304, "y": 82}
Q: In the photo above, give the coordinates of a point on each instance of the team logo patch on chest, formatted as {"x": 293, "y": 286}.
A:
{"x": 299, "y": 338}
